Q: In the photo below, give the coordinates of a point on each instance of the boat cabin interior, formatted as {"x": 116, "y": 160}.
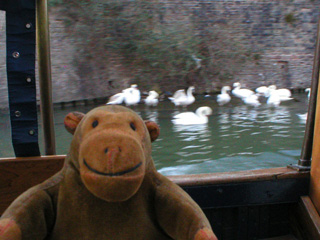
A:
{"x": 275, "y": 203}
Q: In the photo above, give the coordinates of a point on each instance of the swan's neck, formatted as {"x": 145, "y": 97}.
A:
{"x": 271, "y": 92}
{"x": 189, "y": 92}
{"x": 223, "y": 91}
{"x": 201, "y": 113}
{"x": 237, "y": 87}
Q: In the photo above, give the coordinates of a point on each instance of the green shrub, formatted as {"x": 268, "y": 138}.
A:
{"x": 289, "y": 18}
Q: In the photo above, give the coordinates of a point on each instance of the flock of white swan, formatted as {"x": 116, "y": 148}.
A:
{"x": 131, "y": 96}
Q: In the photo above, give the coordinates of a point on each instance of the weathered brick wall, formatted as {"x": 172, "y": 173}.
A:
{"x": 68, "y": 84}
{"x": 285, "y": 48}
{"x": 281, "y": 33}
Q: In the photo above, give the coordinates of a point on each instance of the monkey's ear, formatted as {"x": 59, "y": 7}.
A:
{"x": 72, "y": 120}
{"x": 153, "y": 129}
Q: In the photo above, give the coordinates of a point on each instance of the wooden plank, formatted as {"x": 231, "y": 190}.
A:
{"x": 279, "y": 219}
{"x": 215, "y": 219}
{"x": 17, "y": 175}
{"x": 229, "y": 222}
{"x": 253, "y": 222}
{"x": 286, "y": 237}
{"x": 241, "y": 176}
{"x": 249, "y": 193}
{"x": 26, "y": 159}
{"x": 201, "y": 179}
{"x": 243, "y": 223}
{"x": 209, "y": 190}
{"x": 315, "y": 164}
{"x": 264, "y": 221}
{"x": 313, "y": 216}
{"x": 308, "y": 218}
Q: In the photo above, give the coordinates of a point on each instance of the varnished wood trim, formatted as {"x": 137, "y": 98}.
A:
{"x": 308, "y": 219}
{"x": 195, "y": 179}
{"x": 20, "y": 159}
{"x": 241, "y": 176}
{"x": 315, "y": 164}
{"x": 19, "y": 174}
{"x": 312, "y": 212}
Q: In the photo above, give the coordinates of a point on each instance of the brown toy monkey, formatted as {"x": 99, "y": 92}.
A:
{"x": 107, "y": 189}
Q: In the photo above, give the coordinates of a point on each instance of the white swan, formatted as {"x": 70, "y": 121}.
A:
{"x": 191, "y": 118}
{"x": 241, "y": 92}
{"x": 152, "y": 99}
{"x": 303, "y": 117}
{"x": 224, "y": 97}
{"x": 252, "y": 100}
{"x": 274, "y": 100}
{"x": 131, "y": 95}
{"x": 181, "y": 98}
{"x": 261, "y": 91}
{"x": 283, "y": 93}
{"x": 116, "y": 99}
{"x": 308, "y": 90}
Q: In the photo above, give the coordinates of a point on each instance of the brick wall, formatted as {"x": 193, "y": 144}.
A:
{"x": 285, "y": 48}
{"x": 282, "y": 34}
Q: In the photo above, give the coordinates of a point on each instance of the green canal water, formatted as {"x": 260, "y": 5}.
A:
{"x": 237, "y": 137}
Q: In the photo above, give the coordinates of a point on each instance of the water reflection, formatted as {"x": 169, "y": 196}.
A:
{"x": 242, "y": 114}
{"x": 151, "y": 115}
{"x": 237, "y": 137}
{"x": 279, "y": 115}
{"x": 184, "y": 132}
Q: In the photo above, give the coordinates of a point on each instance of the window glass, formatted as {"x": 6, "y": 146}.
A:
{"x": 99, "y": 48}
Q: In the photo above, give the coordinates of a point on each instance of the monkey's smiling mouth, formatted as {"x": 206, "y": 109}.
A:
{"x": 112, "y": 174}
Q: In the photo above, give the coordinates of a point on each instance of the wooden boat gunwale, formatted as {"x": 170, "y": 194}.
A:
{"x": 15, "y": 171}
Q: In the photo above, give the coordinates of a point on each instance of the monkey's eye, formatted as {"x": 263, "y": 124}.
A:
{"x": 133, "y": 126}
{"x": 95, "y": 123}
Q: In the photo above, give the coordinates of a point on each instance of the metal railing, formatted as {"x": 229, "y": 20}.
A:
{"x": 43, "y": 54}
{"x": 304, "y": 162}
